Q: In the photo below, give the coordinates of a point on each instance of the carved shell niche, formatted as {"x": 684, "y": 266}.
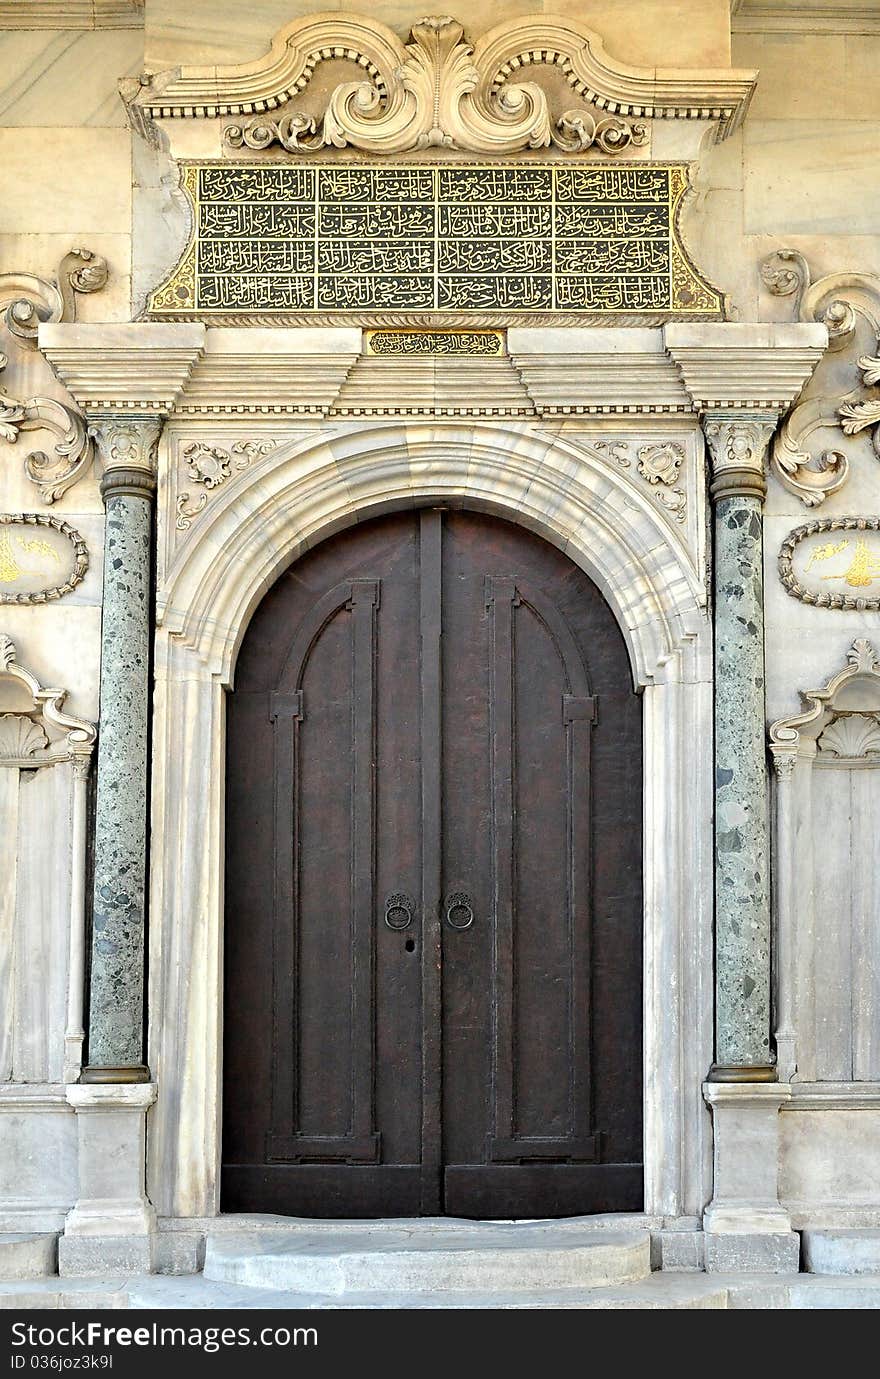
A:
{"x": 851, "y": 736}
{"x": 20, "y": 737}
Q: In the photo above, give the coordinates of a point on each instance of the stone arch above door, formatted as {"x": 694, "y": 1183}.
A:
{"x": 584, "y": 492}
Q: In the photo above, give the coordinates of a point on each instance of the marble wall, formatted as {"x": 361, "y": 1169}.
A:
{"x": 801, "y": 175}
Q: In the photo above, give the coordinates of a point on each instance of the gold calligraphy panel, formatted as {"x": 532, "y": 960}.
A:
{"x": 506, "y": 238}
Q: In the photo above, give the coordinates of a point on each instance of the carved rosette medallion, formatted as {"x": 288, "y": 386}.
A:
{"x": 210, "y": 466}
{"x": 41, "y": 558}
{"x": 659, "y": 463}
{"x": 833, "y": 563}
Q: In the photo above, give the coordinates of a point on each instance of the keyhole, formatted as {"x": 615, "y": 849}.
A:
{"x": 410, "y": 945}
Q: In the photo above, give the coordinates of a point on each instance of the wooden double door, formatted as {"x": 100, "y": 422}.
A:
{"x": 433, "y": 888}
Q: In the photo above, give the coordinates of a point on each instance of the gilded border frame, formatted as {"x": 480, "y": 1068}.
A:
{"x": 159, "y": 305}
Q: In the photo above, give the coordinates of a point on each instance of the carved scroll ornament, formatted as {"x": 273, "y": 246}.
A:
{"x": 438, "y": 91}
{"x": 26, "y": 301}
{"x": 837, "y": 301}
{"x": 439, "y": 98}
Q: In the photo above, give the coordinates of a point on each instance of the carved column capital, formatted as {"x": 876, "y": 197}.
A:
{"x": 127, "y": 447}
{"x": 738, "y": 446}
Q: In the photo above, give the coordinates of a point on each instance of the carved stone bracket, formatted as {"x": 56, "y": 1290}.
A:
{"x": 438, "y": 91}
{"x": 837, "y": 300}
{"x": 53, "y": 473}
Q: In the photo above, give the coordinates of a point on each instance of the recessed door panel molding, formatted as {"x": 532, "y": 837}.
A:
{"x": 432, "y": 732}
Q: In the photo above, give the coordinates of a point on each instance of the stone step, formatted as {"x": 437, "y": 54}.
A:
{"x": 426, "y": 1256}
{"x": 28, "y": 1256}
{"x": 660, "y": 1292}
{"x": 849, "y": 1251}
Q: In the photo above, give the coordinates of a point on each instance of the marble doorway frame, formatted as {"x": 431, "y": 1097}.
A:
{"x": 324, "y": 478}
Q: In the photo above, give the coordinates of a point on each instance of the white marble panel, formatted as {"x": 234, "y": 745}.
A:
{"x": 8, "y": 891}
{"x": 42, "y": 924}
{"x": 38, "y": 1156}
{"x": 811, "y": 177}
{"x": 830, "y": 1158}
{"x": 865, "y": 910}
{"x": 62, "y": 644}
{"x": 42, "y": 72}
{"x": 800, "y": 76}
{"x": 832, "y": 929}
{"x": 55, "y": 179}
{"x": 670, "y": 33}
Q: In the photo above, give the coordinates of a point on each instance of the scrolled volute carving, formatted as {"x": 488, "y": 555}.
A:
{"x": 440, "y": 95}
{"x": 837, "y": 300}
{"x": 72, "y": 454}
{"x": 27, "y": 300}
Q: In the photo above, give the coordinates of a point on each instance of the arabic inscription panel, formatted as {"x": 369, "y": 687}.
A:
{"x": 500, "y": 242}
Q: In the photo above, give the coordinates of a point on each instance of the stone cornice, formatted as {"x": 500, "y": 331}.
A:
{"x": 778, "y": 17}
{"x": 498, "y": 69}
{"x": 71, "y": 14}
{"x": 139, "y": 368}
{"x": 754, "y": 368}
{"x": 583, "y": 371}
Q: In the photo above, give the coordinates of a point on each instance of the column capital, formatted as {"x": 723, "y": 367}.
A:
{"x": 738, "y": 444}
{"x": 127, "y": 446}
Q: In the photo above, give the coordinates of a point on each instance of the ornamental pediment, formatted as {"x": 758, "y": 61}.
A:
{"x": 345, "y": 81}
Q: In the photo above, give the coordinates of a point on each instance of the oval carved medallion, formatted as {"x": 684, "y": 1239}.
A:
{"x": 41, "y": 558}
{"x": 833, "y": 563}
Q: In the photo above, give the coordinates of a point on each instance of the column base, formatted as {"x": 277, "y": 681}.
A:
{"x": 742, "y": 1072}
{"x": 115, "y": 1077}
{"x": 746, "y": 1227}
{"x": 112, "y": 1227}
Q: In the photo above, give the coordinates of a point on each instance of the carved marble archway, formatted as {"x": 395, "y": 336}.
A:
{"x": 209, "y": 585}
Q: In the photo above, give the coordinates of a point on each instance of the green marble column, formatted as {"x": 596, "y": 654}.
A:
{"x": 738, "y": 443}
{"x": 126, "y": 447}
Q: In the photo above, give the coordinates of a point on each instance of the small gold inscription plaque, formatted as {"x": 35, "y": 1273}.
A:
{"x": 516, "y": 239}
{"x": 485, "y": 344}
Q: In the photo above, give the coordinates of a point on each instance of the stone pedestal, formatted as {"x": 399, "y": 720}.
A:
{"x": 112, "y": 1228}
{"x": 746, "y": 1226}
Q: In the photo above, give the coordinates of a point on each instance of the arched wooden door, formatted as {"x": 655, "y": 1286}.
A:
{"x": 433, "y": 884}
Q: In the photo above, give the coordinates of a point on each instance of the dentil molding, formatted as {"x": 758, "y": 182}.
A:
{"x": 438, "y": 90}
